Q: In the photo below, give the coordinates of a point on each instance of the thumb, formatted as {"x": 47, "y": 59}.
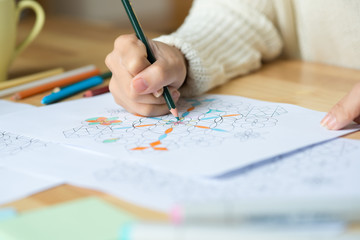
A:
{"x": 345, "y": 111}
{"x": 153, "y": 78}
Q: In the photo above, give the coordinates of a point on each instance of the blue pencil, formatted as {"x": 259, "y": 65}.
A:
{"x": 75, "y": 88}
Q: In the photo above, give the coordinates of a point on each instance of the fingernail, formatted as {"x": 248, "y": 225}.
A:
{"x": 325, "y": 120}
{"x": 140, "y": 85}
{"x": 331, "y": 124}
{"x": 158, "y": 93}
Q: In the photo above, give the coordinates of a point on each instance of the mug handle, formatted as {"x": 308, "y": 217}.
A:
{"x": 39, "y": 23}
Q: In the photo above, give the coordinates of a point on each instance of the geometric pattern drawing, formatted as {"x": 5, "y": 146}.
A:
{"x": 204, "y": 122}
{"x": 11, "y": 143}
{"x": 318, "y": 170}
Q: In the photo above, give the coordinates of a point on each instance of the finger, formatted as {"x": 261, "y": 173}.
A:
{"x": 172, "y": 90}
{"x": 345, "y": 111}
{"x": 130, "y": 52}
{"x": 147, "y": 110}
{"x": 325, "y": 120}
{"x": 357, "y": 120}
{"x": 144, "y": 109}
{"x": 158, "y": 93}
{"x": 119, "y": 98}
{"x": 118, "y": 90}
{"x": 155, "y": 77}
{"x": 151, "y": 99}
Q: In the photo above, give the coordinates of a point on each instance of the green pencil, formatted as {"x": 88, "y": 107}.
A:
{"x": 150, "y": 56}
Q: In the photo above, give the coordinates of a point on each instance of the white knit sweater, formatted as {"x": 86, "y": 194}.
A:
{"x": 222, "y": 39}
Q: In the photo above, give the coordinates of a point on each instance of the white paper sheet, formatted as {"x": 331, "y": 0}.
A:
{"x": 15, "y": 184}
{"x": 28, "y": 165}
{"x": 323, "y": 171}
{"x": 218, "y": 133}
{"x": 9, "y": 107}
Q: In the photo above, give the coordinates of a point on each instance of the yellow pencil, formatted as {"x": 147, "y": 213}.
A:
{"x": 30, "y": 78}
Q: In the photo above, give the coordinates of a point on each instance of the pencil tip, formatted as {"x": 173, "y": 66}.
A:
{"x": 175, "y": 113}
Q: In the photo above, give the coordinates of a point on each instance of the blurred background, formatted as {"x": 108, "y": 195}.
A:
{"x": 154, "y": 15}
{"x": 99, "y": 22}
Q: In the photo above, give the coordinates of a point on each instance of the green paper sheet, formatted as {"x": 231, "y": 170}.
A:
{"x": 87, "y": 219}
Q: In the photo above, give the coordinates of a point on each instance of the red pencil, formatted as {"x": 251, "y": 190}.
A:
{"x": 97, "y": 91}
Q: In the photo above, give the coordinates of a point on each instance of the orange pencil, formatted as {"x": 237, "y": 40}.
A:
{"x": 59, "y": 83}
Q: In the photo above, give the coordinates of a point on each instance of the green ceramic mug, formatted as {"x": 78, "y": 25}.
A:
{"x": 9, "y": 17}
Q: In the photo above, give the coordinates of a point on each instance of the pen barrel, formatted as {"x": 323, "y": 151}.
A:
{"x": 150, "y": 55}
{"x": 169, "y": 101}
{"x": 138, "y": 30}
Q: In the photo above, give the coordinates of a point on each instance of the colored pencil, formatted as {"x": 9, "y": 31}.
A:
{"x": 150, "y": 56}
{"x": 97, "y": 91}
{"x": 75, "y": 88}
{"x": 62, "y": 80}
{"x": 43, "y": 81}
{"x": 30, "y": 78}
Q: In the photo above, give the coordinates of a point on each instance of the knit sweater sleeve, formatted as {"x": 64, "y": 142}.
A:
{"x": 222, "y": 39}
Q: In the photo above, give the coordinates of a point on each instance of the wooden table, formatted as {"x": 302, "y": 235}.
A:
{"x": 70, "y": 44}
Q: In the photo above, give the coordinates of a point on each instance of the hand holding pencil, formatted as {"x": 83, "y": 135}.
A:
{"x": 136, "y": 83}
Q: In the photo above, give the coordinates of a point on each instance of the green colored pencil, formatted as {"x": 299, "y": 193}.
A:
{"x": 150, "y": 56}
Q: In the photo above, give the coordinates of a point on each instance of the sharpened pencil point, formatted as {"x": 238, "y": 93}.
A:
{"x": 175, "y": 113}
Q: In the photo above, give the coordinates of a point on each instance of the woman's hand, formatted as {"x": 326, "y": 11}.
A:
{"x": 345, "y": 111}
{"x": 136, "y": 84}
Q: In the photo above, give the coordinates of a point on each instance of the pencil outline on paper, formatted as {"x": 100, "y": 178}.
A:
{"x": 303, "y": 169}
{"x": 11, "y": 144}
{"x": 205, "y": 122}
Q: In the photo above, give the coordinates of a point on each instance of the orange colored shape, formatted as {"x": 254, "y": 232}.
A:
{"x": 148, "y": 125}
{"x": 116, "y": 121}
{"x": 139, "y": 148}
{"x": 153, "y": 144}
{"x": 138, "y": 115}
{"x": 190, "y": 109}
{"x": 110, "y": 122}
{"x": 202, "y": 127}
{"x": 160, "y": 149}
{"x": 100, "y": 119}
{"x": 168, "y": 130}
{"x": 103, "y": 121}
{"x": 232, "y": 115}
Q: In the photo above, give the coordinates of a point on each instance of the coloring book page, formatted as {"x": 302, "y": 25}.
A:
{"x": 217, "y": 134}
